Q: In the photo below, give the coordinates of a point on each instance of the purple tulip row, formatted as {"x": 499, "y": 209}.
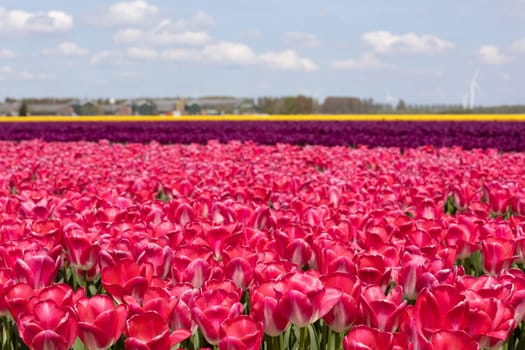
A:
{"x": 506, "y": 136}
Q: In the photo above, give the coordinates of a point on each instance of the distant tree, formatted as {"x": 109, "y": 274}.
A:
{"x": 193, "y": 109}
{"x": 304, "y": 105}
{"x": 401, "y": 106}
{"x": 23, "y": 109}
{"x": 89, "y": 108}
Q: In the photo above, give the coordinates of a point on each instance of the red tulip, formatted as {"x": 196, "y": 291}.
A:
{"x": 365, "y": 338}
{"x": 17, "y": 297}
{"x": 373, "y": 270}
{"x": 463, "y": 235}
{"x": 212, "y": 308}
{"x": 100, "y": 322}
{"x": 411, "y": 273}
{"x": 126, "y": 278}
{"x": 442, "y": 308}
{"x": 181, "y": 314}
{"x": 346, "y": 311}
{"x": 160, "y": 258}
{"x": 155, "y": 299}
{"x": 48, "y": 326}
{"x": 241, "y": 333}
{"x": 491, "y": 320}
{"x": 380, "y": 311}
{"x": 305, "y": 299}
{"x": 148, "y": 331}
{"x": 240, "y": 271}
{"x": 498, "y": 255}
{"x": 81, "y": 247}
{"x": 264, "y": 308}
{"x": 6, "y": 282}
{"x": 447, "y": 340}
{"x": 37, "y": 270}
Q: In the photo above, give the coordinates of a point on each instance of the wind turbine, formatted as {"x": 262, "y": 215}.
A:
{"x": 473, "y": 86}
{"x": 465, "y": 101}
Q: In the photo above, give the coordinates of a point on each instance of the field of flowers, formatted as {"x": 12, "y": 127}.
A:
{"x": 506, "y": 133}
{"x": 240, "y": 245}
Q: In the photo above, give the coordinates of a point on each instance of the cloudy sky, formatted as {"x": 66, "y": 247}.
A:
{"x": 422, "y": 51}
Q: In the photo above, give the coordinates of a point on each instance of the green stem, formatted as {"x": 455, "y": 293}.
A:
{"x": 338, "y": 341}
{"x": 303, "y": 339}
{"x": 331, "y": 340}
{"x": 76, "y": 284}
{"x": 5, "y": 334}
{"x": 325, "y": 331}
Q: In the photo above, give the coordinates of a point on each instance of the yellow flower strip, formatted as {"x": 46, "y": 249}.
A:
{"x": 303, "y": 117}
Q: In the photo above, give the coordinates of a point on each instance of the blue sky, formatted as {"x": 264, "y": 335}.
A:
{"x": 422, "y": 51}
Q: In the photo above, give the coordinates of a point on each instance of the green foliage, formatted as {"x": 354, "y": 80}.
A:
{"x": 450, "y": 206}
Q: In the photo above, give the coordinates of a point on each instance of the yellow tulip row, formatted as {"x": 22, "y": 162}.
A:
{"x": 299, "y": 117}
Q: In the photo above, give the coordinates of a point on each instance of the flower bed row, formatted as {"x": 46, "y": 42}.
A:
{"x": 507, "y": 136}
{"x": 245, "y": 246}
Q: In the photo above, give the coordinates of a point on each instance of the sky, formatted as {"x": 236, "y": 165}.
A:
{"x": 425, "y": 52}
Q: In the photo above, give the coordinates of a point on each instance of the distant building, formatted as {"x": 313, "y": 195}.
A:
{"x": 50, "y": 109}
{"x": 124, "y": 108}
{"x": 165, "y": 106}
{"x": 220, "y": 105}
{"x": 10, "y": 109}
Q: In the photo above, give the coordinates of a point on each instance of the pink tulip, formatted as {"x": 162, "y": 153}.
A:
{"x": 37, "y": 270}
{"x": 305, "y": 299}
{"x": 240, "y": 333}
{"x": 498, "y": 255}
{"x": 17, "y": 297}
{"x": 442, "y": 308}
{"x": 81, "y": 248}
{"x": 6, "y": 282}
{"x": 264, "y": 301}
{"x": 212, "y": 308}
{"x": 148, "y": 331}
{"x": 365, "y": 338}
{"x": 380, "y": 311}
{"x": 346, "y": 311}
{"x": 48, "y": 326}
{"x": 126, "y": 278}
{"x": 491, "y": 321}
{"x": 100, "y": 322}
{"x": 446, "y": 340}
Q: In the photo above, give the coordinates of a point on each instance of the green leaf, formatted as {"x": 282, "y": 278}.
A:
{"x": 78, "y": 345}
{"x": 450, "y": 206}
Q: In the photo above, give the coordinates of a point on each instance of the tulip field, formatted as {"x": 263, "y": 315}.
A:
{"x": 253, "y": 244}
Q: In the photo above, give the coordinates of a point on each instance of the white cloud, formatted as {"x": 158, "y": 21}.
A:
{"x": 103, "y": 58}
{"x": 131, "y": 12}
{"x": 160, "y": 37}
{"x": 34, "y": 76}
{"x": 491, "y": 54}
{"x": 229, "y": 53}
{"x": 180, "y": 55}
{"x": 302, "y": 39}
{"x": 288, "y": 60}
{"x": 6, "y": 69}
{"x": 66, "y": 48}
{"x": 199, "y": 21}
{"x": 6, "y": 54}
{"x": 142, "y": 53}
{"x": 367, "y": 61}
{"x": 387, "y": 43}
{"x": 19, "y": 22}
{"x": 519, "y": 45}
